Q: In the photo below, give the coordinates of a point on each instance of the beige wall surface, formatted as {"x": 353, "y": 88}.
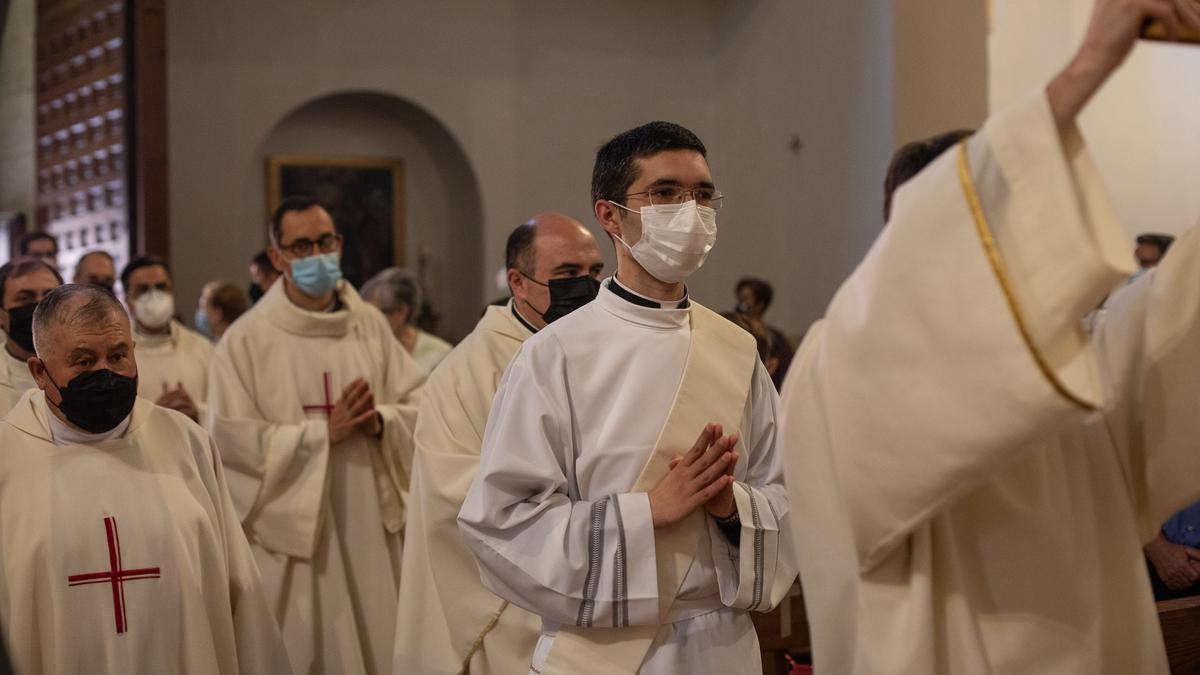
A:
{"x": 1141, "y": 128}
{"x": 18, "y": 126}
{"x": 529, "y": 89}
{"x": 941, "y": 78}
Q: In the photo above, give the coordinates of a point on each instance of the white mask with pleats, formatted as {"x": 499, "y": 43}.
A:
{"x": 676, "y": 239}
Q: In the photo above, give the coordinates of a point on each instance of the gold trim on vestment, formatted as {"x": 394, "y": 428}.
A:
{"x": 997, "y": 263}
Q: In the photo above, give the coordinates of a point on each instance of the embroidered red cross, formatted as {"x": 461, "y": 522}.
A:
{"x": 115, "y": 575}
{"x": 327, "y": 408}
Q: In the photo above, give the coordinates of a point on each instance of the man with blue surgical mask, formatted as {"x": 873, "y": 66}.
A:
{"x": 173, "y": 358}
{"x": 637, "y": 433}
{"x": 314, "y": 402}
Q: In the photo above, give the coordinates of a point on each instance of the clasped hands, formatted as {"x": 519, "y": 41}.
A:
{"x": 701, "y": 477}
{"x": 354, "y": 410}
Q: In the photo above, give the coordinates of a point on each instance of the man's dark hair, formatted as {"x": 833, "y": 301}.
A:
{"x": 230, "y": 299}
{"x": 519, "y": 251}
{"x": 22, "y": 266}
{"x": 263, "y": 260}
{"x": 761, "y": 290}
{"x": 89, "y": 254}
{"x": 140, "y": 262}
{"x": 615, "y": 169}
{"x": 910, "y": 159}
{"x": 1162, "y": 241}
{"x": 29, "y": 238}
{"x": 98, "y": 305}
{"x": 288, "y": 205}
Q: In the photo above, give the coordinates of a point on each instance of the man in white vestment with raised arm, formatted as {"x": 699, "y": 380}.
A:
{"x": 977, "y": 472}
{"x": 313, "y": 404}
{"x": 448, "y": 622}
{"x": 120, "y": 551}
{"x": 629, "y": 491}
{"x": 23, "y": 283}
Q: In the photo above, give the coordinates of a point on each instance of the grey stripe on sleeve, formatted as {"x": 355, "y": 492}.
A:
{"x": 620, "y": 591}
{"x": 595, "y": 557}
{"x": 759, "y": 549}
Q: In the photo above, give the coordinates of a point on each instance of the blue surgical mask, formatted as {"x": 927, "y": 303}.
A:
{"x": 202, "y": 322}
{"x": 316, "y": 275}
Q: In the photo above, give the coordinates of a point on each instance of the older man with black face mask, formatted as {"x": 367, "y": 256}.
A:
{"x": 448, "y": 621}
{"x": 23, "y": 282}
{"x": 313, "y": 402}
{"x": 120, "y": 551}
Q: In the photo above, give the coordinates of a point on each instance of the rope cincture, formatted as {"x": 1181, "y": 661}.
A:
{"x": 997, "y": 263}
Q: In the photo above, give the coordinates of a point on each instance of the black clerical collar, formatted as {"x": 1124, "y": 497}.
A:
{"x": 642, "y": 301}
{"x": 521, "y": 318}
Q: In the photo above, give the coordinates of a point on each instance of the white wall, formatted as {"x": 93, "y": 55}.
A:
{"x": 1141, "y": 127}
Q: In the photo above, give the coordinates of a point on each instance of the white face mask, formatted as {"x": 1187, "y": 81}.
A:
{"x": 153, "y": 309}
{"x": 676, "y": 239}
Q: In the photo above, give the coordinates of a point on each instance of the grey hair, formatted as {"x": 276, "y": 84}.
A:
{"x": 392, "y": 289}
{"x": 73, "y": 305}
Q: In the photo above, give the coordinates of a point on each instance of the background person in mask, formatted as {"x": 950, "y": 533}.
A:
{"x": 638, "y": 435}
{"x": 96, "y": 267}
{"x": 262, "y": 275}
{"x": 754, "y": 296}
{"x": 220, "y": 304}
{"x": 397, "y": 294}
{"x": 174, "y": 359}
{"x": 445, "y": 620}
{"x": 313, "y": 403}
{"x": 96, "y": 481}
{"x": 23, "y": 283}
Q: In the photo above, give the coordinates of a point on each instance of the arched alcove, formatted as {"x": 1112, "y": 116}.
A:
{"x": 442, "y": 212}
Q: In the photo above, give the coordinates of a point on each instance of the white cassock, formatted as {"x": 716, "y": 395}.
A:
{"x": 429, "y": 350}
{"x": 324, "y": 523}
{"x": 122, "y": 552}
{"x": 15, "y": 378}
{"x": 446, "y": 616}
{"x": 977, "y": 473}
{"x": 555, "y": 525}
{"x": 181, "y": 356}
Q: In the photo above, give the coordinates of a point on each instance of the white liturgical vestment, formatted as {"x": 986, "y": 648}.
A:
{"x": 977, "y": 472}
{"x": 324, "y": 522}
{"x": 181, "y": 356}
{"x": 429, "y": 350}
{"x": 551, "y": 515}
{"x": 15, "y": 379}
{"x": 125, "y": 555}
{"x": 446, "y": 616}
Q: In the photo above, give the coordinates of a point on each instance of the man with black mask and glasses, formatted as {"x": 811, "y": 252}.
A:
{"x": 23, "y": 282}
{"x": 629, "y": 491}
{"x": 120, "y": 551}
{"x": 313, "y": 403}
{"x": 447, "y": 620}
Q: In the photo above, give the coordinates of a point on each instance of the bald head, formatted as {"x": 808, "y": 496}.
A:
{"x": 546, "y": 247}
{"x": 96, "y": 267}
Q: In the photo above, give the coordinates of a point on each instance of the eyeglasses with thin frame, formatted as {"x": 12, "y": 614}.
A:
{"x": 302, "y": 248}
{"x": 666, "y": 195}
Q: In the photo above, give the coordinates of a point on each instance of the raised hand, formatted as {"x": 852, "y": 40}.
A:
{"x": 1112, "y": 32}
{"x": 354, "y": 410}
{"x": 694, "y": 479}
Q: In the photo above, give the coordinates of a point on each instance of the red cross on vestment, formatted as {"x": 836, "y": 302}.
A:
{"x": 327, "y": 407}
{"x": 115, "y": 575}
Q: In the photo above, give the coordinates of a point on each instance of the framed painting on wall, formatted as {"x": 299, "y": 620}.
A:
{"x": 365, "y": 197}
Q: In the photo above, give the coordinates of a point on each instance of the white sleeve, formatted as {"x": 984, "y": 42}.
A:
{"x": 587, "y": 563}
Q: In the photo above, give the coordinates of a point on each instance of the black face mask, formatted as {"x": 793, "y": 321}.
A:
{"x": 20, "y": 326}
{"x": 97, "y": 400}
{"x": 567, "y": 295}
{"x": 256, "y": 292}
